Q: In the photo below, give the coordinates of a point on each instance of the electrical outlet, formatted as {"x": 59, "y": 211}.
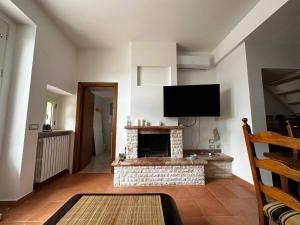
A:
{"x": 211, "y": 141}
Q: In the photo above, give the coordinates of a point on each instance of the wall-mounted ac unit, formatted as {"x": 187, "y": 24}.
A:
{"x": 200, "y": 62}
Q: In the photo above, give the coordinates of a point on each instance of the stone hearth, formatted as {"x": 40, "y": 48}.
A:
{"x": 159, "y": 171}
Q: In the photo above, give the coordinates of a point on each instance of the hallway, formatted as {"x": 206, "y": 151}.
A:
{"x": 99, "y": 164}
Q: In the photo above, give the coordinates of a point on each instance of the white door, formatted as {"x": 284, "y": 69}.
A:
{"x": 3, "y": 40}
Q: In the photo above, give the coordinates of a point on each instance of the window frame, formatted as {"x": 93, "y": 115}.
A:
{"x": 3, "y": 56}
{"x": 55, "y": 107}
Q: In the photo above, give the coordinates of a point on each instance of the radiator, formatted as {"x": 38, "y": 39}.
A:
{"x": 52, "y": 157}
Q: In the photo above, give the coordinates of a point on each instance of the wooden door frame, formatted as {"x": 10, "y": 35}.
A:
{"x": 78, "y": 125}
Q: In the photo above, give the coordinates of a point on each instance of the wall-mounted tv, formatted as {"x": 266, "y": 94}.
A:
{"x": 192, "y": 100}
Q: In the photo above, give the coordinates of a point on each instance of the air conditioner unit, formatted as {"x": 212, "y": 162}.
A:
{"x": 200, "y": 62}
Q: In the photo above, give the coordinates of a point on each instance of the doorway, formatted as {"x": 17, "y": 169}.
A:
{"x": 95, "y": 135}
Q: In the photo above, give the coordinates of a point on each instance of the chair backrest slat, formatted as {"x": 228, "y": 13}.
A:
{"x": 280, "y": 196}
{"x": 275, "y": 139}
{"x": 279, "y": 168}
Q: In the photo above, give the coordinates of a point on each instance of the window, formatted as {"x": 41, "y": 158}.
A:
{"x": 51, "y": 113}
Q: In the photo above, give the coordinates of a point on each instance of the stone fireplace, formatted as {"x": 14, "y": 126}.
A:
{"x": 154, "y": 156}
{"x": 151, "y": 141}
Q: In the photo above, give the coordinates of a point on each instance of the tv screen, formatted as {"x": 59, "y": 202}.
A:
{"x": 192, "y": 100}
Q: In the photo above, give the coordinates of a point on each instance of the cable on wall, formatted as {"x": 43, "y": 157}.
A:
{"x": 190, "y": 125}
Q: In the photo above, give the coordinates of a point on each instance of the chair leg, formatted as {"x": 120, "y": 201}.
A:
{"x": 263, "y": 220}
{"x": 266, "y": 220}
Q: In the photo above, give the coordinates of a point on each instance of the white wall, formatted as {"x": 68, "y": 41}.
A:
{"x": 109, "y": 65}
{"x": 67, "y": 121}
{"x": 15, "y": 124}
{"x": 53, "y": 63}
{"x": 235, "y": 104}
{"x": 242, "y": 96}
{"x": 266, "y": 55}
{"x": 6, "y": 77}
{"x": 240, "y": 75}
{"x": 197, "y": 136}
{"x": 189, "y": 76}
{"x": 147, "y": 99}
{"x": 114, "y": 65}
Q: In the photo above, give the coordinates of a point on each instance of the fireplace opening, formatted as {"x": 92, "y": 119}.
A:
{"x": 154, "y": 145}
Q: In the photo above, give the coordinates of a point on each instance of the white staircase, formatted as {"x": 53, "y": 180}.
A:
{"x": 287, "y": 91}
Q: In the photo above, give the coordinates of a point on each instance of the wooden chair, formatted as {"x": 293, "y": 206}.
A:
{"x": 283, "y": 203}
{"x": 289, "y": 128}
{"x": 290, "y": 131}
{"x": 291, "y": 134}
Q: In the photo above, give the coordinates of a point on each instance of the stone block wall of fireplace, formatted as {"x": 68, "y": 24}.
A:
{"x": 152, "y": 141}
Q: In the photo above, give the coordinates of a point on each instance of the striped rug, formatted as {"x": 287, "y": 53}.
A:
{"x": 116, "y": 210}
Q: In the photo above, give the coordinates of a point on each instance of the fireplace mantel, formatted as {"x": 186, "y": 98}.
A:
{"x": 154, "y": 129}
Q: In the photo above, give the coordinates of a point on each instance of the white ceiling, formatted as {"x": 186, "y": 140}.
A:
{"x": 196, "y": 25}
{"x": 282, "y": 27}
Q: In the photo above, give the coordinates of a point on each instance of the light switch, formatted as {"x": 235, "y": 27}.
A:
{"x": 33, "y": 126}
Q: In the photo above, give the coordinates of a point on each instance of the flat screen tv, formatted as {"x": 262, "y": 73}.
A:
{"x": 192, "y": 100}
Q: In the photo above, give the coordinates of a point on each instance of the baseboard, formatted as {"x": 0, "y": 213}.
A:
{"x": 13, "y": 204}
{"x": 244, "y": 183}
{"x": 46, "y": 182}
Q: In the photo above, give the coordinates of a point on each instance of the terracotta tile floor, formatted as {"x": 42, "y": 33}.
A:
{"x": 219, "y": 202}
